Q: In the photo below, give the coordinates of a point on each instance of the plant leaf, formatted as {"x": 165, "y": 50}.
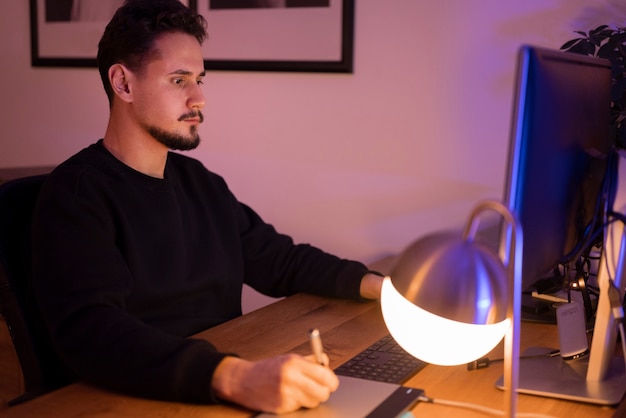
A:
{"x": 569, "y": 44}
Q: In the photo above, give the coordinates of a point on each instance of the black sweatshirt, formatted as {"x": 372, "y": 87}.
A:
{"x": 126, "y": 266}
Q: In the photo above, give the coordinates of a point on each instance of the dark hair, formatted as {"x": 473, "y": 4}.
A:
{"x": 129, "y": 37}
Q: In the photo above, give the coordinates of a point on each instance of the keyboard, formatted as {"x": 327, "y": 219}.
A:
{"x": 384, "y": 361}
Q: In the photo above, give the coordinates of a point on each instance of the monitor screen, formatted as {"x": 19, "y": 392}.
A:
{"x": 558, "y": 156}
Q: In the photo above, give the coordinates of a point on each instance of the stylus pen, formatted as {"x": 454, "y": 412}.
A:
{"x": 316, "y": 346}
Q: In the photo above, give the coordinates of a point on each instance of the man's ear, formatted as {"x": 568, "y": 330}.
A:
{"x": 119, "y": 79}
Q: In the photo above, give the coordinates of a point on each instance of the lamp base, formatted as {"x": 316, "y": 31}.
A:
{"x": 555, "y": 378}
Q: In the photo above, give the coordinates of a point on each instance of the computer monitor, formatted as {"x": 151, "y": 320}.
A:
{"x": 558, "y": 156}
{"x": 560, "y": 170}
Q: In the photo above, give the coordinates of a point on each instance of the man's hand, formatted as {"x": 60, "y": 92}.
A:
{"x": 279, "y": 384}
{"x": 371, "y": 286}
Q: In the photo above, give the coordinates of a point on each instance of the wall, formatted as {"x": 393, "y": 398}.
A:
{"x": 358, "y": 164}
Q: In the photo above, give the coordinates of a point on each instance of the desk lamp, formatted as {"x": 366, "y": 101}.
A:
{"x": 450, "y": 299}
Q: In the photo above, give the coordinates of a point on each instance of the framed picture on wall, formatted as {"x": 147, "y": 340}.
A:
{"x": 278, "y": 35}
{"x": 65, "y": 33}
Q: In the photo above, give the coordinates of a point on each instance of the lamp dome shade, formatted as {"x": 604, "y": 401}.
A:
{"x": 454, "y": 278}
{"x": 446, "y": 300}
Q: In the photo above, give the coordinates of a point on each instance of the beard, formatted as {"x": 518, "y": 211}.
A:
{"x": 176, "y": 141}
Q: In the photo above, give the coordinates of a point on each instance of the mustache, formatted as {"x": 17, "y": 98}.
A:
{"x": 192, "y": 114}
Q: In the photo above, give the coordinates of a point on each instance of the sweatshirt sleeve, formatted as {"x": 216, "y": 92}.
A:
{"x": 275, "y": 266}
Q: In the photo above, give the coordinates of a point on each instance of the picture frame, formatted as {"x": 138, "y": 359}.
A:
{"x": 262, "y": 39}
{"x": 248, "y": 39}
{"x": 61, "y": 37}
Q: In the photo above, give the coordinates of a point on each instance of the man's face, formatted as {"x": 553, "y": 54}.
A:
{"x": 168, "y": 99}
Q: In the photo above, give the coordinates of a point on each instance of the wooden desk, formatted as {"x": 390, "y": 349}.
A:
{"x": 347, "y": 328}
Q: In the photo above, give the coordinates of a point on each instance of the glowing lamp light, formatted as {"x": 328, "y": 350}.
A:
{"x": 449, "y": 342}
{"x": 450, "y": 299}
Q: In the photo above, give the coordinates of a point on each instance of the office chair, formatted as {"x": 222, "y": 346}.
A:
{"x": 42, "y": 370}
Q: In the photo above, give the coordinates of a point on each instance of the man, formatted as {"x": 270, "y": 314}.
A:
{"x": 137, "y": 248}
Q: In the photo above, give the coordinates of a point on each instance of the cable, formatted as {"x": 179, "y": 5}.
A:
{"x": 617, "y": 309}
{"x": 485, "y": 362}
{"x": 616, "y": 301}
{"x": 620, "y": 326}
{"x": 609, "y": 263}
{"x": 602, "y": 206}
{"x": 479, "y": 408}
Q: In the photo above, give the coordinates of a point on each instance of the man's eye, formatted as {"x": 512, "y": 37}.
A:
{"x": 179, "y": 81}
{"x": 200, "y": 82}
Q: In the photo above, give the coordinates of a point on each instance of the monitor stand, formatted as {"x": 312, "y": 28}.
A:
{"x": 556, "y": 378}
